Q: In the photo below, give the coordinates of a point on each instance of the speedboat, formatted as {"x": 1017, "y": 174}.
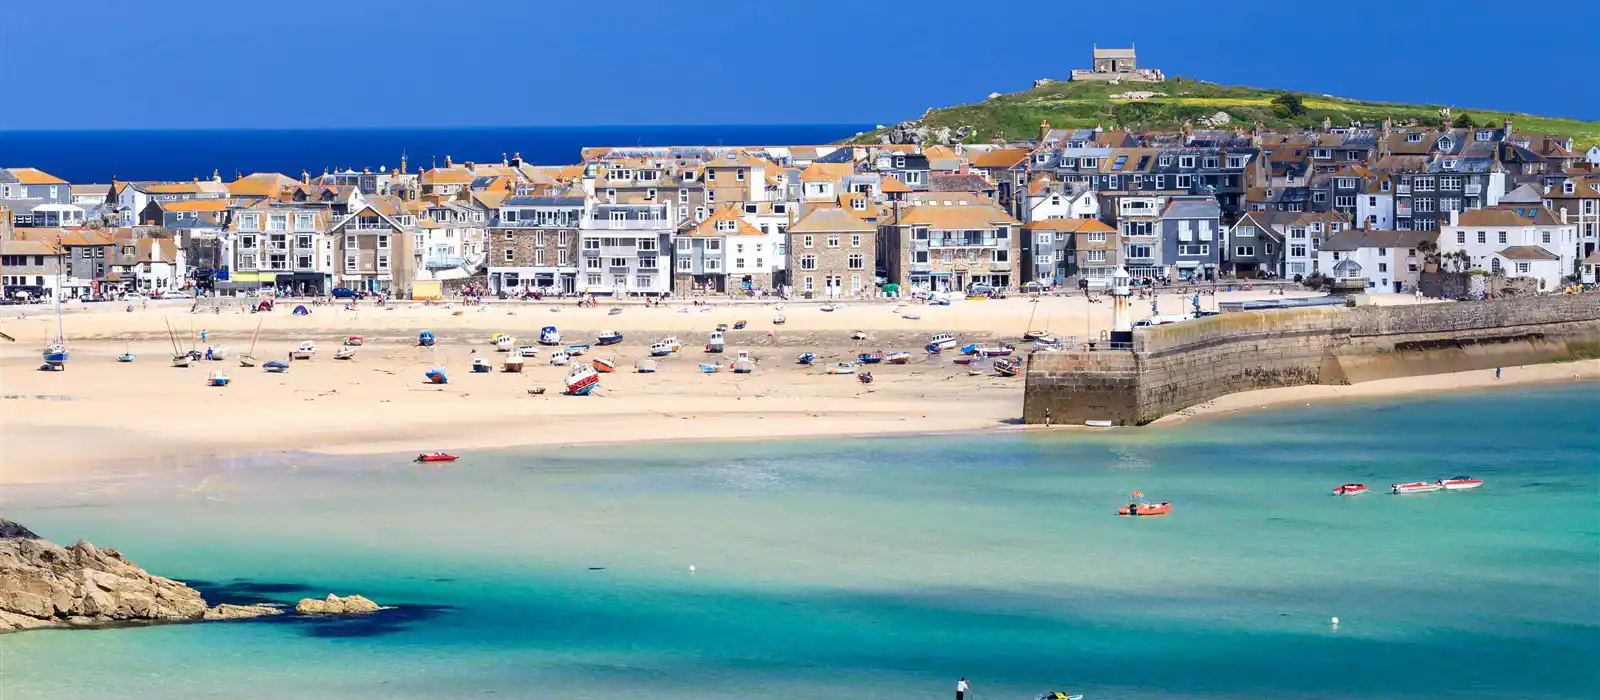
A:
{"x": 843, "y": 368}
{"x": 560, "y": 359}
{"x": 1414, "y": 487}
{"x": 1460, "y": 483}
{"x": 1161, "y": 508}
{"x": 1350, "y": 490}
{"x": 608, "y": 337}
{"x": 436, "y": 457}
{"x": 671, "y": 341}
{"x": 604, "y": 365}
{"x": 529, "y": 350}
{"x": 897, "y": 358}
{"x": 307, "y": 349}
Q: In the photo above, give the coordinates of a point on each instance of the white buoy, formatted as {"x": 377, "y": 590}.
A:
{"x": 1334, "y": 620}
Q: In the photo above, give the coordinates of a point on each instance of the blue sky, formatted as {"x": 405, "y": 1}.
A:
{"x": 121, "y": 64}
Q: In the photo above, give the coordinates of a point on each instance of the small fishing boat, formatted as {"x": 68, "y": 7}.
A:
{"x": 436, "y": 457}
{"x": 576, "y": 350}
{"x": 842, "y": 368}
{"x": 779, "y": 320}
{"x": 218, "y": 378}
{"x": 716, "y": 344}
{"x": 481, "y": 365}
{"x": 807, "y": 358}
{"x": 967, "y": 359}
{"x": 502, "y": 342}
{"x": 125, "y": 357}
{"x": 660, "y": 350}
{"x": 744, "y": 365}
{"x": 829, "y": 307}
{"x": 603, "y": 365}
{"x": 181, "y": 360}
{"x": 858, "y": 335}
{"x": 536, "y": 391}
{"x": 721, "y": 327}
{"x": 710, "y": 367}
{"x": 645, "y": 366}
{"x": 355, "y": 340}
{"x": 1143, "y": 508}
{"x": 870, "y": 358}
{"x": 1006, "y": 367}
{"x": 1035, "y": 335}
{"x": 1350, "y": 490}
{"x": 582, "y": 380}
{"x": 608, "y": 337}
{"x": 1098, "y": 423}
{"x": 55, "y": 357}
{"x": 671, "y": 341}
{"x": 1414, "y": 487}
{"x": 549, "y": 336}
{"x": 940, "y": 342}
{"x": 560, "y": 359}
{"x": 1460, "y": 483}
{"x": 426, "y": 339}
{"x": 275, "y": 366}
{"x": 740, "y": 324}
{"x": 911, "y": 316}
{"x": 864, "y": 377}
{"x": 1058, "y": 695}
{"x": 898, "y": 358}
{"x": 307, "y": 349}
{"x": 528, "y": 350}
{"x": 513, "y": 361}
{"x": 614, "y": 311}
{"x": 345, "y": 353}
{"x": 436, "y": 376}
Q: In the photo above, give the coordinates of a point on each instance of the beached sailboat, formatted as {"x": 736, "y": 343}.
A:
{"x": 549, "y": 336}
{"x": 275, "y": 366}
{"x": 179, "y": 357}
{"x": 55, "y": 353}
{"x": 437, "y": 375}
{"x": 216, "y": 353}
{"x": 608, "y": 338}
{"x": 645, "y": 365}
{"x": 249, "y": 358}
{"x": 345, "y": 353}
{"x": 582, "y": 380}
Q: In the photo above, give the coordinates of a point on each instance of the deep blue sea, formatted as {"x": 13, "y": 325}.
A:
{"x": 879, "y": 568}
{"x": 98, "y": 156}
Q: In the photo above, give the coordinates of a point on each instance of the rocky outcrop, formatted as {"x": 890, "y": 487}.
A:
{"x": 334, "y": 605}
{"x": 915, "y": 132}
{"x": 43, "y": 584}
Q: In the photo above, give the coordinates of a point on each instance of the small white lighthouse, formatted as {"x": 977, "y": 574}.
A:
{"x": 1121, "y": 316}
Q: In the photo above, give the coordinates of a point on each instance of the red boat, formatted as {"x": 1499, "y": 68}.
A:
{"x": 1350, "y": 490}
{"x": 436, "y": 457}
{"x": 1460, "y": 483}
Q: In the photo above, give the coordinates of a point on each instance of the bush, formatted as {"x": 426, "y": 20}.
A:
{"x": 1289, "y": 105}
{"x": 1314, "y": 281}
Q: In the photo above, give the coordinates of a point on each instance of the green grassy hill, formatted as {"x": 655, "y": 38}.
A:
{"x": 1087, "y": 104}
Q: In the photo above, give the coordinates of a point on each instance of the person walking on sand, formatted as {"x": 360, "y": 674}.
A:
{"x": 1497, "y": 373}
{"x": 962, "y": 688}
{"x": 1047, "y": 418}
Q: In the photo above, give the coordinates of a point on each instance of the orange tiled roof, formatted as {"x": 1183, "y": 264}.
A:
{"x": 709, "y": 228}
{"x": 35, "y": 176}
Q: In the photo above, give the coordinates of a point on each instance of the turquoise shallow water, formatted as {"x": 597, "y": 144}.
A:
{"x": 881, "y": 568}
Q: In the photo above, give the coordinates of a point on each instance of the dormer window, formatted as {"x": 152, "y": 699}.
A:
{"x": 1383, "y": 186}
{"x": 726, "y": 226}
{"x": 1444, "y": 144}
{"x": 1568, "y": 188}
{"x": 1449, "y": 164}
{"x": 1090, "y": 162}
{"x": 899, "y": 162}
{"x": 1414, "y": 138}
{"x": 1186, "y": 162}
{"x": 1166, "y": 160}
{"x": 1486, "y": 136}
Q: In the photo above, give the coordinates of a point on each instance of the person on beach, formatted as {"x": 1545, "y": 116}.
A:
{"x": 1047, "y": 418}
{"x": 1497, "y": 373}
{"x": 962, "y": 688}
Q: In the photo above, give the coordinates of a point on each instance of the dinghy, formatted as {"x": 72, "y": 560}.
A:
{"x": 218, "y": 378}
{"x": 779, "y": 320}
{"x": 645, "y": 366}
{"x": 898, "y": 358}
{"x": 576, "y": 350}
{"x": 481, "y": 365}
{"x": 307, "y": 349}
{"x": 275, "y": 366}
{"x": 710, "y": 367}
{"x": 604, "y": 365}
{"x": 870, "y": 358}
{"x": 125, "y": 357}
{"x": 1006, "y": 367}
{"x": 843, "y": 368}
{"x": 345, "y": 353}
{"x": 426, "y": 339}
{"x": 502, "y": 342}
{"x": 436, "y": 376}
{"x": 807, "y": 358}
{"x": 355, "y": 340}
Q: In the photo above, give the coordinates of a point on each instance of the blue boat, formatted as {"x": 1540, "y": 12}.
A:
{"x": 481, "y": 365}
{"x": 125, "y": 357}
{"x": 710, "y": 368}
{"x": 608, "y": 338}
{"x": 55, "y": 357}
{"x": 971, "y": 348}
{"x": 275, "y": 366}
{"x": 549, "y": 336}
{"x": 870, "y": 358}
{"x": 426, "y": 339}
{"x": 807, "y": 358}
{"x": 934, "y": 348}
{"x": 436, "y": 376}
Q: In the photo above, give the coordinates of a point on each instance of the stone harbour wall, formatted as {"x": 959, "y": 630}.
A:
{"x": 1179, "y": 365}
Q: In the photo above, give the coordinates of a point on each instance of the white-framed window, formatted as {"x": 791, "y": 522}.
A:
{"x": 714, "y": 244}
{"x": 643, "y": 281}
{"x": 682, "y": 244}
{"x": 833, "y": 241}
{"x": 647, "y": 262}
{"x": 808, "y": 284}
{"x": 538, "y": 257}
{"x": 1098, "y": 237}
{"x": 591, "y": 244}
{"x": 857, "y": 261}
{"x": 383, "y": 242}
{"x": 250, "y": 222}
{"x": 383, "y": 262}
{"x": 1522, "y": 268}
{"x": 1244, "y": 251}
{"x": 1344, "y": 200}
{"x": 351, "y": 262}
{"x": 808, "y": 262}
{"x": 1182, "y": 182}
{"x": 1194, "y": 249}
{"x": 563, "y": 257}
{"x": 1423, "y": 184}
{"x": 647, "y": 244}
{"x": 1094, "y": 256}
{"x": 1186, "y": 162}
{"x": 619, "y": 262}
{"x": 593, "y": 264}
{"x": 684, "y": 263}
{"x": 278, "y": 222}
{"x": 1138, "y": 251}
{"x": 713, "y": 264}
{"x": 511, "y": 255}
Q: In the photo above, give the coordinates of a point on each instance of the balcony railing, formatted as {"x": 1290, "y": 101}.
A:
{"x": 359, "y": 225}
{"x": 1402, "y": 189}
{"x": 921, "y": 267}
{"x": 626, "y": 224}
{"x": 1402, "y": 210}
{"x": 1473, "y": 188}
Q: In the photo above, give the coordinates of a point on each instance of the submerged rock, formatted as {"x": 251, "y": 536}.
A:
{"x": 227, "y": 611}
{"x": 334, "y": 605}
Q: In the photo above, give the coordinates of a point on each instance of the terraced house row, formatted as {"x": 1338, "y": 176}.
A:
{"x": 840, "y": 220}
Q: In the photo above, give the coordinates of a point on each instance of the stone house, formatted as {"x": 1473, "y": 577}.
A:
{"x": 533, "y": 244}
{"x": 1050, "y": 250}
{"x": 373, "y": 249}
{"x": 948, "y": 247}
{"x": 30, "y": 268}
{"x": 832, "y": 253}
{"x": 1578, "y": 198}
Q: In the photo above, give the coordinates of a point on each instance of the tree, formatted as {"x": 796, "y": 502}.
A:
{"x": 1289, "y": 105}
{"x": 1465, "y": 121}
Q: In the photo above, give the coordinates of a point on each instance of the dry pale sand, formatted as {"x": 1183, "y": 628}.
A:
{"x": 103, "y": 418}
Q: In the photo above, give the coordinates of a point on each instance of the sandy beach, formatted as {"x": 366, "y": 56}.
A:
{"x": 102, "y": 418}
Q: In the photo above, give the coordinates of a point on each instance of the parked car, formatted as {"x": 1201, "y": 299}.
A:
{"x": 134, "y": 296}
{"x": 344, "y": 293}
{"x": 176, "y": 295}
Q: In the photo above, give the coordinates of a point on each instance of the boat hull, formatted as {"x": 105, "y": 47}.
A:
{"x": 608, "y": 340}
{"x": 1350, "y": 490}
{"x": 1146, "y": 509}
{"x": 1413, "y": 488}
{"x": 1456, "y": 485}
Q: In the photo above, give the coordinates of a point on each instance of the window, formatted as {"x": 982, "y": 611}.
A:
{"x": 917, "y": 234}
{"x": 808, "y": 262}
{"x": 1139, "y": 251}
{"x": 1546, "y": 237}
{"x": 855, "y": 240}
{"x": 538, "y": 257}
{"x": 833, "y": 241}
{"x": 383, "y": 262}
{"x": 684, "y": 264}
{"x": 646, "y": 262}
{"x": 383, "y": 242}
{"x": 809, "y": 283}
{"x": 1425, "y": 205}
{"x": 591, "y": 244}
{"x": 278, "y": 222}
{"x": 1483, "y": 236}
{"x": 1183, "y": 181}
{"x": 1522, "y": 268}
{"x": 643, "y": 281}
{"x": 250, "y": 222}
{"x": 1344, "y": 201}
{"x": 511, "y": 256}
{"x": 1098, "y": 237}
{"x": 1211, "y": 162}
{"x": 1423, "y": 184}
{"x": 1095, "y": 256}
{"x": 248, "y": 241}
{"x": 1449, "y": 183}
{"x": 1501, "y": 236}
{"x": 714, "y": 244}
{"x": 1236, "y": 162}
{"x": 619, "y": 262}
{"x": 1297, "y": 250}
{"x": 593, "y": 263}
{"x": 806, "y": 241}
{"x": 1244, "y": 251}
{"x": 738, "y": 263}
{"x": 1450, "y": 204}
{"x": 857, "y": 261}
{"x": 563, "y": 257}
{"x": 1383, "y": 267}
{"x": 1461, "y": 237}
{"x": 1194, "y": 249}
{"x": 1186, "y": 162}
{"x": 647, "y": 244}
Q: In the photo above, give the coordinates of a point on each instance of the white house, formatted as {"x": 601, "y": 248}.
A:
{"x": 1055, "y": 200}
{"x": 1375, "y": 206}
{"x": 1388, "y": 260}
{"x": 1592, "y": 156}
{"x": 1517, "y": 240}
{"x": 626, "y": 249}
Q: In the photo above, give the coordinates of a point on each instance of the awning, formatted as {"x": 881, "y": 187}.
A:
{"x": 252, "y": 277}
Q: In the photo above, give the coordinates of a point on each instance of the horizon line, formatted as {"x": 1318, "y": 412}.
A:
{"x": 484, "y": 127}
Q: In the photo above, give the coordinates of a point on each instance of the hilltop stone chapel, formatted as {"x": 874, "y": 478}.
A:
{"x": 1118, "y": 65}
